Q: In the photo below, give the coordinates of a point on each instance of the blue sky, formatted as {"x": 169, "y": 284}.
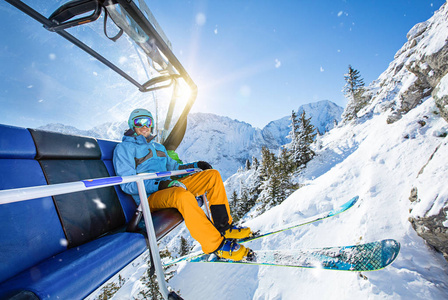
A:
{"x": 253, "y": 61}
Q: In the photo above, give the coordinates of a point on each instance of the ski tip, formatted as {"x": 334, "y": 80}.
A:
{"x": 355, "y": 199}
{"x": 391, "y": 248}
{"x": 351, "y": 202}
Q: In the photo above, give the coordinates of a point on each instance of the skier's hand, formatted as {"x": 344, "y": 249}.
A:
{"x": 171, "y": 183}
{"x": 203, "y": 165}
{"x": 176, "y": 183}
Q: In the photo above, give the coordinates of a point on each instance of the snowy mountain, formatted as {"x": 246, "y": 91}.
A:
{"x": 324, "y": 114}
{"x": 227, "y": 143}
{"x": 394, "y": 157}
{"x": 223, "y": 142}
{"x": 109, "y": 131}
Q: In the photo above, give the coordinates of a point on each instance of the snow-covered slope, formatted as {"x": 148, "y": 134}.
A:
{"x": 380, "y": 163}
{"x": 399, "y": 143}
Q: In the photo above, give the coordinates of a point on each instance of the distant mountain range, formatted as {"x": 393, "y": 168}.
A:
{"x": 224, "y": 142}
{"x": 227, "y": 143}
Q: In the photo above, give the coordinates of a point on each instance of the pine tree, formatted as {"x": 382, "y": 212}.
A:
{"x": 272, "y": 192}
{"x": 255, "y": 163}
{"x": 286, "y": 168}
{"x": 184, "y": 247}
{"x": 267, "y": 163}
{"x": 247, "y": 165}
{"x": 353, "y": 91}
{"x": 109, "y": 290}
{"x": 302, "y": 136}
{"x": 244, "y": 203}
{"x": 294, "y": 136}
{"x": 276, "y": 173}
{"x": 307, "y": 133}
{"x": 286, "y": 164}
{"x": 275, "y": 191}
{"x": 235, "y": 206}
{"x": 150, "y": 289}
{"x": 234, "y": 199}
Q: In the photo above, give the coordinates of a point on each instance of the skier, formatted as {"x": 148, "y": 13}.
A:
{"x": 139, "y": 153}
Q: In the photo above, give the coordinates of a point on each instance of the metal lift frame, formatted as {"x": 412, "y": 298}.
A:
{"x": 176, "y": 135}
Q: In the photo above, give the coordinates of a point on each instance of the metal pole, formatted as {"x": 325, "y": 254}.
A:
{"x": 47, "y": 23}
{"x": 152, "y": 239}
{"x": 207, "y": 207}
{"x": 28, "y": 193}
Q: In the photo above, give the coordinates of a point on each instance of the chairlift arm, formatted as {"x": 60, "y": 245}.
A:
{"x": 151, "y": 84}
{"x": 142, "y": 21}
{"x": 48, "y": 24}
{"x": 176, "y": 135}
{"x": 62, "y": 16}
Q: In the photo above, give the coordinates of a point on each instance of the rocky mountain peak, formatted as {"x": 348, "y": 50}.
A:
{"x": 416, "y": 72}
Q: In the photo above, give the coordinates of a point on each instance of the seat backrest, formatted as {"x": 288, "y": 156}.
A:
{"x": 30, "y": 231}
{"x": 164, "y": 220}
{"x": 107, "y": 153}
{"x": 66, "y": 158}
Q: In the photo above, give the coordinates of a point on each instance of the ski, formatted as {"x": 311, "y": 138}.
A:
{"x": 309, "y": 220}
{"x": 364, "y": 257}
{"x": 285, "y": 227}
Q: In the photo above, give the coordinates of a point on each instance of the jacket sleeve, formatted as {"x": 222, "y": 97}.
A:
{"x": 124, "y": 164}
{"x": 171, "y": 164}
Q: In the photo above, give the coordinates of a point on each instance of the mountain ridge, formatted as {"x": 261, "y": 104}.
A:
{"x": 224, "y": 142}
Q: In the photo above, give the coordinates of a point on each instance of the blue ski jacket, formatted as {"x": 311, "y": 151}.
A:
{"x": 137, "y": 155}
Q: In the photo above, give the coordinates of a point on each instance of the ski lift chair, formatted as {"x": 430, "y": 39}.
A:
{"x": 64, "y": 246}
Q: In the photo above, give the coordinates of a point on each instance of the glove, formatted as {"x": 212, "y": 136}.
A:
{"x": 199, "y": 164}
{"x": 171, "y": 183}
{"x": 203, "y": 165}
{"x": 177, "y": 184}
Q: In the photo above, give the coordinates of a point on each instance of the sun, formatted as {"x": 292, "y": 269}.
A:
{"x": 182, "y": 91}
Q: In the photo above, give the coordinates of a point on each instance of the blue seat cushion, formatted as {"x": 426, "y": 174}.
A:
{"x": 77, "y": 272}
{"x": 30, "y": 231}
{"x": 107, "y": 149}
{"x": 127, "y": 202}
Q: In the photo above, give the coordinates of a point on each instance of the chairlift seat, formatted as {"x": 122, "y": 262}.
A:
{"x": 48, "y": 250}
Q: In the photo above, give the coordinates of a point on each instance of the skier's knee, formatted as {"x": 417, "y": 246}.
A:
{"x": 187, "y": 200}
{"x": 213, "y": 175}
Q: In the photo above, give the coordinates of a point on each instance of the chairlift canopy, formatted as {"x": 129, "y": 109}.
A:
{"x": 133, "y": 21}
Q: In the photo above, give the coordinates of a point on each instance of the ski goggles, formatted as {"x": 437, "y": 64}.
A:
{"x": 139, "y": 122}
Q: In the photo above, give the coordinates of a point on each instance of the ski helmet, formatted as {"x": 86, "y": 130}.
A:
{"x": 139, "y": 112}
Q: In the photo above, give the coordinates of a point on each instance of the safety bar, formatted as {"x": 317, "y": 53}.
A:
{"x": 28, "y": 193}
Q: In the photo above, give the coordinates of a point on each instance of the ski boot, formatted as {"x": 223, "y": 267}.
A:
{"x": 237, "y": 233}
{"x": 232, "y": 251}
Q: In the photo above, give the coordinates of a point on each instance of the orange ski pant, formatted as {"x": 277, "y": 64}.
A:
{"x": 200, "y": 227}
